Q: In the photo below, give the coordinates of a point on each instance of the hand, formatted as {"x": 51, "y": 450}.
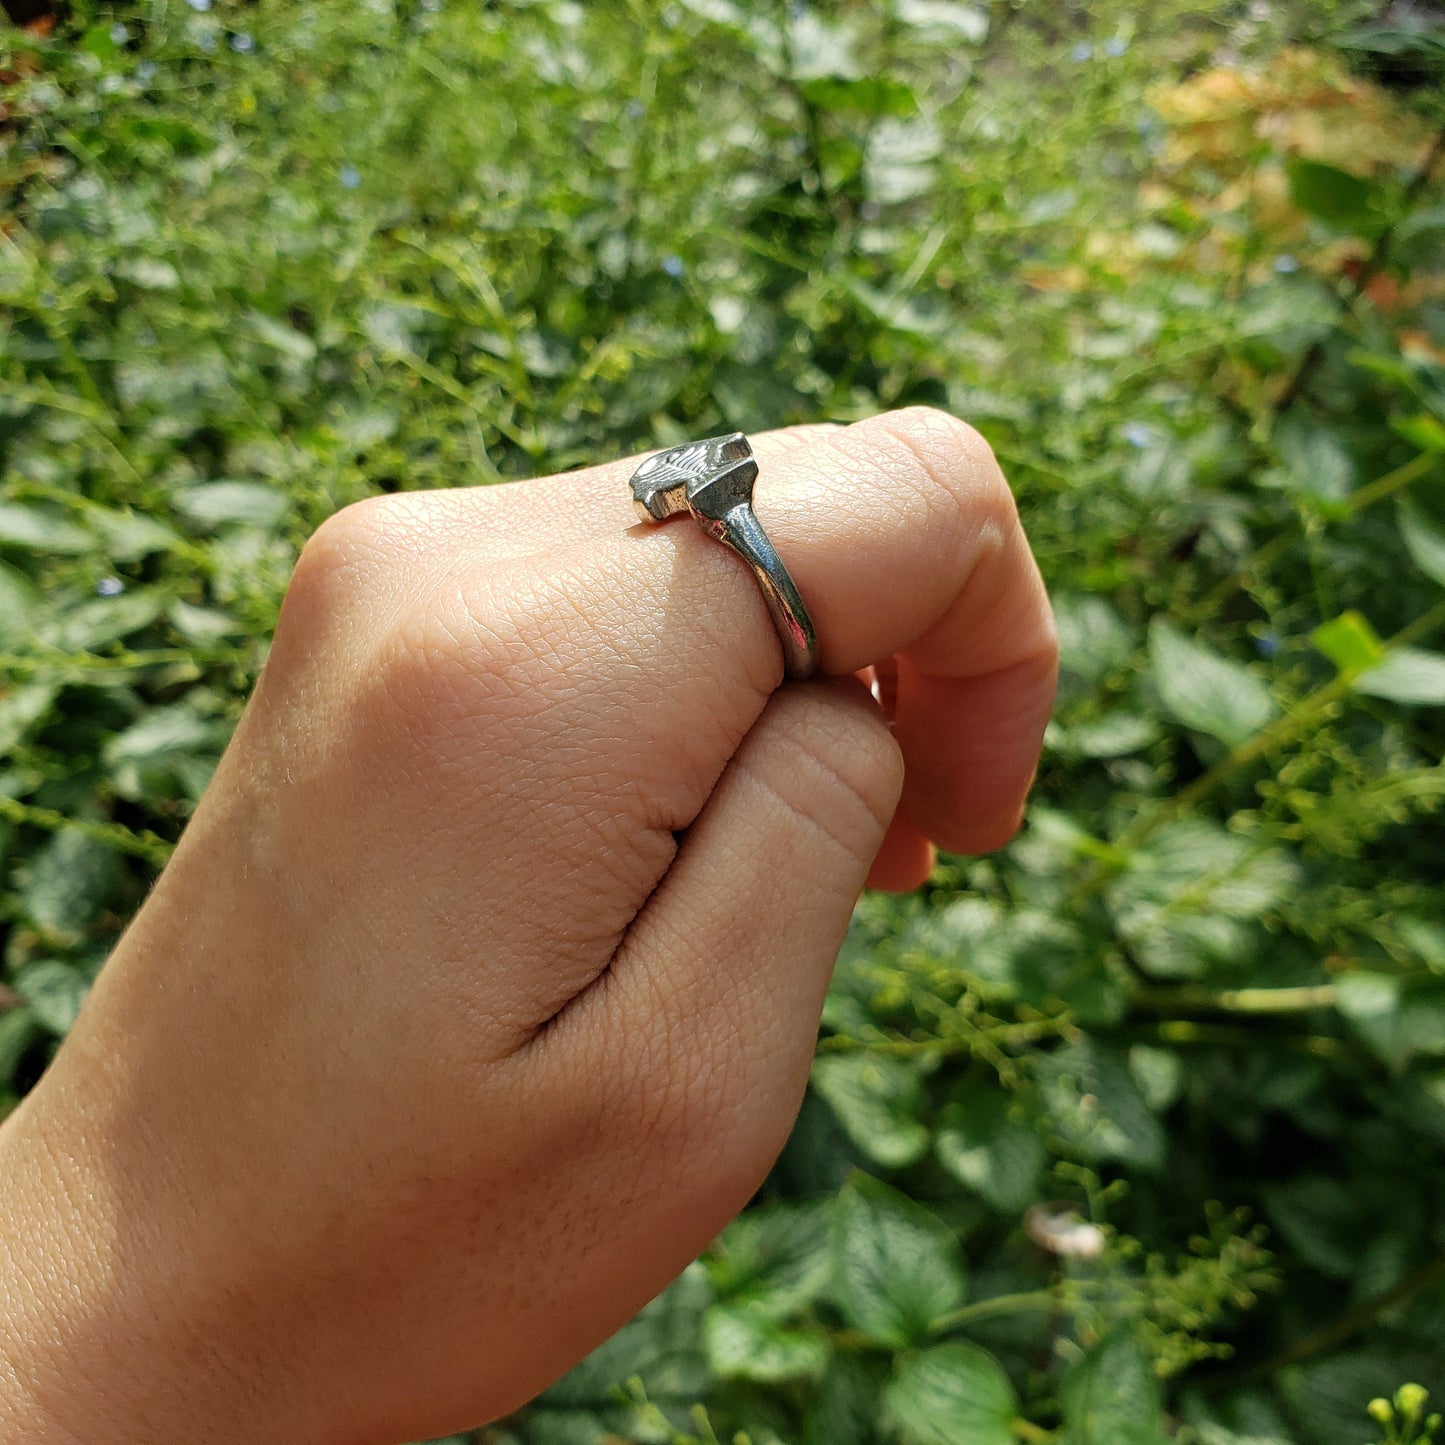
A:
{"x": 482, "y": 988}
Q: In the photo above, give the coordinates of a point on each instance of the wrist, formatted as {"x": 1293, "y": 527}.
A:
{"x": 110, "y": 1331}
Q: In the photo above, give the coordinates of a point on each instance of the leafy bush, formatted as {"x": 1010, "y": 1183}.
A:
{"x": 1131, "y": 1132}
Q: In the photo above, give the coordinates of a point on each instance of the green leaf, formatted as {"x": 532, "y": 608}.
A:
{"x": 41, "y": 529}
{"x": 19, "y": 604}
{"x": 1424, "y": 541}
{"x": 129, "y": 536}
{"x": 844, "y": 1410}
{"x": 1205, "y": 691}
{"x": 1399, "y": 1018}
{"x": 1407, "y": 675}
{"x": 1097, "y": 1108}
{"x": 775, "y": 1258}
{"x": 1346, "y": 202}
{"x": 944, "y": 20}
{"x": 743, "y": 1343}
{"x": 951, "y": 1394}
{"x": 19, "y": 1028}
{"x": 877, "y": 1100}
{"x": 23, "y": 711}
{"x": 104, "y": 620}
{"x": 1349, "y": 642}
{"x": 1323, "y": 1221}
{"x": 1110, "y": 1397}
{"x": 54, "y": 991}
{"x": 217, "y": 504}
{"x": 70, "y": 878}
{"x": 867, "y": 95}
{"x": 896, "y": 1268}
{"x": 997, "y": 1156}
{"x": 1316, "y": 462}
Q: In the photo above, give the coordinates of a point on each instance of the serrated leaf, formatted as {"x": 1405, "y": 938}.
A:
{"x": 1424, "y": 541}
{"x": 54, "y": 991}
{"x": 896, "y": 1268}
{"x": 1204, "y": 690}
{"x": 744, "y": 1343}
{"x": 1407, "y": 675}
{"x": 70, "y": 878}
{"x": 996, "y": 1155}
{"x": 950, "y": 1394}
{"x": 877, "y": 1100}
{"x": 1097, "y": 1108}
{"x": 1316, "y": 462}
{"x": 776, "y": 1258}
{"x": 844, "y": 1410}
{"x": 1110, "y": 1397}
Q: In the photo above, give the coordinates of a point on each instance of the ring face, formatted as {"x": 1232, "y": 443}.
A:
{"x": 713, "y": 479}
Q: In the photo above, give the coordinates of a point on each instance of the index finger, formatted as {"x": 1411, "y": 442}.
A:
{"x": 905, "y": 543}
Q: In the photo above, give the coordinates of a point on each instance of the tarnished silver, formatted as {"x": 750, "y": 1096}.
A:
{"x": 713, "y": 480}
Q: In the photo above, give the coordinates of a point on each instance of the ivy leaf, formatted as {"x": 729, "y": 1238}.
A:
{"x": 1097, "y": 1107}
{"x": 896, "y": 1268}
{"x": 877, "y": 1100}
{"x": 950, "y": 1394}
{"x": 1407, "y": 675}
{"x": 743, "y": 1343}
{"x": 998, "y": 1157}
{"x": 54, "y": 991}
{"x": 1110, "y": 1397}
{"x": 1204, "y": 690}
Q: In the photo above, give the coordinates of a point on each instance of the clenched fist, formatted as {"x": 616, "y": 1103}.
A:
{"x": 481, "y": 990}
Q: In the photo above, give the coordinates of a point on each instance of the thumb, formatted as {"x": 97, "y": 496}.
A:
{"x": 712, "y": 1002}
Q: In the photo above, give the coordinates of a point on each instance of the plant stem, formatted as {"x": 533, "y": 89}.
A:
{"x": 1000, "y": 1304}
{"x": 1237, "y": 1000}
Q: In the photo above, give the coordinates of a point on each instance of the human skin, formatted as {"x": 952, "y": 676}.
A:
{"x": 481, "y": 990}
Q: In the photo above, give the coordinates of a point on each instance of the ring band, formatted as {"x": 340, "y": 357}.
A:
{"x": 713, "y": 480}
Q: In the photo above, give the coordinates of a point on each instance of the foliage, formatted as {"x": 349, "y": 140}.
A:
{"x": 1130, "y": 1133}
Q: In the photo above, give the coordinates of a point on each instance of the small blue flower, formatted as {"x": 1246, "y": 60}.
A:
{"x": 1116, "y": 47}
{"x": 1267, "y": 644}
{"x": 145, "y": 72}
{"x": 1081, "y": 52}
{"x": 109, "y": 587}
{"x": 120, "y": 34}
{"x": 199, "y": 4}
{"x": 207, "y": 41}
{"x": 1286, "y": 265}
{"x": 673, "y": 265}
{"x": 242, "y": 43}
{"x": 634, "y": 110}
{"x": 349, "y": 177}
{"x": 1138, "y": 435}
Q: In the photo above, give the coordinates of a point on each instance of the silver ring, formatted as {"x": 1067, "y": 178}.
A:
{"x": 713, "y": 480}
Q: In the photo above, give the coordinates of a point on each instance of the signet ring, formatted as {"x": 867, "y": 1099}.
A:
{"x": 713, "y": 480}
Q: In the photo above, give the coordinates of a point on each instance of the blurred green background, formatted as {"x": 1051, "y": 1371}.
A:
{"x": 1130, "y": 1133}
